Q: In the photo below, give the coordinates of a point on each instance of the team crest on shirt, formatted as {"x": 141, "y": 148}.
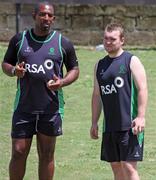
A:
{"x": 51, "y": 51}
{"x": 122, "y": 69}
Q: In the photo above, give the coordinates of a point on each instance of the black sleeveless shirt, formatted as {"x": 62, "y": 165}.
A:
{"x": 43, "y": 57}
{"x": 118, "y": 92}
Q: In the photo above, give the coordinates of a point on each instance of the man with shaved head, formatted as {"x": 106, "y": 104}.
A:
{"x": 36, "y": 57}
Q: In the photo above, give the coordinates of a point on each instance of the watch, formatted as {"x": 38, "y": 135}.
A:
{"x": 13, "y": 70}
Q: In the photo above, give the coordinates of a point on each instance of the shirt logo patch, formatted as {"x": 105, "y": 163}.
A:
{"x": 35, "y": 68}
{"x": 102, "y": 73}
{"x": 51, "y": 51}
{"x": 112, "y": 88}
{"x": 59, "y": 130}
{"x": 122, "y": 69}
{"x": 137, "y": 154}
{"x": 28, "y": 49}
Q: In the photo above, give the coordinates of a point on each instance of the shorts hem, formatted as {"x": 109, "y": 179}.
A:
{"x": 127, "y": 160}
{"x": 52, "y": 135}
{"x": 22, "y": 137}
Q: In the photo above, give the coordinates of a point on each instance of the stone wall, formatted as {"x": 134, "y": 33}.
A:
{"x": 84, "y": 24}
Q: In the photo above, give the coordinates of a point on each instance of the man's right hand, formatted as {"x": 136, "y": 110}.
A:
{"x": 20, "y": 70}
{"x": 94, "y": 131}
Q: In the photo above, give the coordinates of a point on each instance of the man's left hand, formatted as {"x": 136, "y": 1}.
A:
{"x": 138, "y": 125}
{"x": 55, "y": 84}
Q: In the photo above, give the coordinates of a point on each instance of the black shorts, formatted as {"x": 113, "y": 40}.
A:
{"x": 122, "y": 146}
{"x": 25, "y": 125}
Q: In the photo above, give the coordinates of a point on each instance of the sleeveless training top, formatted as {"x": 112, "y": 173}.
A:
{"x": 42, "y": 59}
{"x": 118, "y": 92}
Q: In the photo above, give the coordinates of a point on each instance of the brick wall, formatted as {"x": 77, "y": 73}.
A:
{"x": 84, "y": 24}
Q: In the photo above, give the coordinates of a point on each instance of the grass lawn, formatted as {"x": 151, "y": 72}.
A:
{"x": 77, "y": 156}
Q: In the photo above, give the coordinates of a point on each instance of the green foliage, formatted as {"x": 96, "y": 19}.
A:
{"x": 77, "y": 156}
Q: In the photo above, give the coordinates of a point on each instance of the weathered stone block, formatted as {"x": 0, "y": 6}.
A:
{"x": 84, "y": 37}
{"x": 60, "y": 10}
{"x": 84, "y": 10}
{"x": 146, "y": 23}
{"x": 26, "y": 9}
{"x": 128, "y": 23}
{"x": 7, "y": 8}
{"x": 62, "y": 22}
{"x": 11, "y": 21}
{"x": 141, "y": 38}
{"x": 26, "y": 22}
{"x": 6, "y": 34}
{"x": 114, "y": 10}
{"x": 135, "y": 11}
{"x": 87, "y": 22}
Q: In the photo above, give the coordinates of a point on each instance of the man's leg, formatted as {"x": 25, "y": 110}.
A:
{"x": 117, "y": 171}
{"x": 20, "y": 151}
{"x": 46, "y": 148}
{"x": 130, "y": 170}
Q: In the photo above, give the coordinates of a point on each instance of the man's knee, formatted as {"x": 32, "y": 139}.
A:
{"x": 20, "y": 150}
{"x": 116, "y": 167}
{"x": 18, "y": 154}
{"x": 46, "y": 154}
{"x": 130, "y": 168}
